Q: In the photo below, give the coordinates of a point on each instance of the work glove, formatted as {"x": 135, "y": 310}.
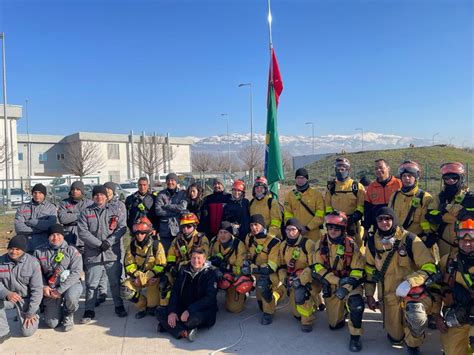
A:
{"x": 264, "y": 270}
{"x": 341, "y": 293}
{"x": 403, "y": 289}
{"x": 104, "y": 246}
{"x": 246, "y": 269}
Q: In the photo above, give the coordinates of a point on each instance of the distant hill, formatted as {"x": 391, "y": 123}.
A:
{"x": 429, "y": 158}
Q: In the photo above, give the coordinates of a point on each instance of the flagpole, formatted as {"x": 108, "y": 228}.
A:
{"x": 270, "y": 25}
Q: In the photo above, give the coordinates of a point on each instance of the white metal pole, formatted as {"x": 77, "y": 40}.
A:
{"x": 7, "y": 153}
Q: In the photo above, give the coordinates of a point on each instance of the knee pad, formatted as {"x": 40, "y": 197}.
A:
{"x": 416, "y": 318}
{"x": 129, "y": 294}
{"x": 356, "y": 307}
{"x": 264, "y": 285}
{"x": 301, "y": 295}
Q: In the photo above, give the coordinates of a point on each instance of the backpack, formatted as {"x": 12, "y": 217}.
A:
{"x": 332, "y": 188}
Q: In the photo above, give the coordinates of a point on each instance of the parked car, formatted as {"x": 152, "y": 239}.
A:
{"x": 17, "y": 196}
{"x": 130, "y": 187}
{"x": 123, "y": 193}
{"x": 59, "y": 193}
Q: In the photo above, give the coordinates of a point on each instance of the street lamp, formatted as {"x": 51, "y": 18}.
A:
{"x": 252, "y": 177}
{"x": 434, "y": 135}
{"x": 226, "y": 117}
{"x": 28, "y": 159}
{"x": 312, "y": 134}
{"x": 6, "y": 150}
{"x": 362, "y": 138}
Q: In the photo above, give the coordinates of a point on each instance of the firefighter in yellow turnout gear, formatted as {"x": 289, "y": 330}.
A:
{"x": 456, "y": 321}
{"x": 227, "y": 256}
{"x": 306, "y": 204}
{"x": 262, "y": 262}
{"x": 144, "y": 263}
{"x": 180, "y": 251}
{"x": 401, "y": 266}
{"x": 411, "y": 203}
{"x": 296, "y": 253}
{"x": 346, "y": 195}
{"x": 339, "y": 267}
{"x": 263, "y": 203}
{"x": 444, "y": 208}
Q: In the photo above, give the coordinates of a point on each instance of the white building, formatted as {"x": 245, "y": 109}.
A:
{"x": 14, "y": 113}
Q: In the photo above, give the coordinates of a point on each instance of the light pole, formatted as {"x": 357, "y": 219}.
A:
{"x": 226, "y": 117}
{"x": 362, "y": 137}
{"x": 28, "y": 158}
{"x": 252, "y": 177}
{"x": 312, "y": 134}
{"x": 6, "y": 150}
{"x": 434, "y": 135}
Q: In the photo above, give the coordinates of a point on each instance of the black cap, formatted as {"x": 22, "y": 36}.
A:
{"x": 387, "y": 211}
{"x": 302, "y": 172}
{"x": 110, "y": 185}
{"x": 227, "y": 226}
{"x": 39, "y": 187}
{"x": 172, "y": 176}
{"x": 257, "y": 218}
{"x": 79, "y": 185}
{"x": 295, "y": 223}
{"x": 56, "y": 228}
{"x": 19, "y": 242}
{"x": 99, "y": 189}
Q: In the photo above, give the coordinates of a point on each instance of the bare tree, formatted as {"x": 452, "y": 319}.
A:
{"x": 83, "y": 158}
{"x": 287, "y": 160}
{"x": 2, "y": 153}
{"x": 202, "y": 162}
{"x": 220, "y": 163}
{"x": 152, "y": 154}
{"x": 252, "y": 157}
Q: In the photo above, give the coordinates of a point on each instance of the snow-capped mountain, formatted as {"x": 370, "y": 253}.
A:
{"x": 302, "y": 145}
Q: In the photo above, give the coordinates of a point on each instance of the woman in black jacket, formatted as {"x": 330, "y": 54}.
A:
{"x": 194, "y": 198}
{"x": 237, "y": 210}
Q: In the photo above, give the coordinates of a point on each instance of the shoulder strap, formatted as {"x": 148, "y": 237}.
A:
{"x": 392, "y": 205}
{"x": 304, "y": 205}
{"x": 355, "y": 188}
{"x": 250, "y": 203}
{"x": 133, "y": 248}
{"x": 389, "y": 258}
{"x": 409, "y": 244}
{"x": 331, "y": 187}
{"x": 272, "y": 243}
{"x": 413, "y": 206}
{"x": 371, "y": 244}
{"x": 269, "y": 203}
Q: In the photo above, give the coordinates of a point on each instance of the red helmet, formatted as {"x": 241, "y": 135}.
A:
{"x": 337, "y": 218}
{"x": 453, "y": 168}
{"x": 465, "y": 229}
{"x": 226, "y": 281}
{"x": 238, "y": 185}
{"x": 410, "y": 167}
{"x": 243, "y": 284}
{"x": 142, "y": 225}
{"x": 261, "y": 181}
{"x": 188, "y": 218}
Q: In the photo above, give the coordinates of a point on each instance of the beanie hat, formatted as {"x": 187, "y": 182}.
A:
{"x": 387, "y": 211}
{"x": 302, "y": 172}
{"x": 79, "y": 185}
{"x": 40, "y": 188}
{"x": 99, "y": 189}
{"x": 56, "y": 228}
{"x": 18, "y": 241}
{"x": 257, "y": 218}
{"x": 111, "y": 185}
{"x": 295, "y": 223}
{"x": 227, "y": 226}
{"x": 172, "y": 176}
{"x": 218, "y": 180}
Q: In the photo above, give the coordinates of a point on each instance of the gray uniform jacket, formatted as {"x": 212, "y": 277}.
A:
{"x": 168, "y": 209}
{"x": 69, "y": 212}
{"x": 97, "y": 224}
{"x": 33, "y": 219}
{"x": 71, "y": 261}
{"x": 22, "y": 276}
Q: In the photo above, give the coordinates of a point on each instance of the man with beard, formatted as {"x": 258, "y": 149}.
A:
{"x": 140, "y": 204}
{"x": 213, "y": 209}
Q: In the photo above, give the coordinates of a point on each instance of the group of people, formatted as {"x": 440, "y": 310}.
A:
{"x": 326, "y": 252}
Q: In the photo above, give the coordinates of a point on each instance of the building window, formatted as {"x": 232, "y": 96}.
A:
{"x": 20, "y": 156}
{"x": 60, "y": 156}
{"x": 114, "y": 175}
{"x": 42, "y": 157}
{"x": 113, "y": 151}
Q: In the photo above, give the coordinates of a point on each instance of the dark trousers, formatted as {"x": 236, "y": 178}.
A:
{"x": 204, "y": 319}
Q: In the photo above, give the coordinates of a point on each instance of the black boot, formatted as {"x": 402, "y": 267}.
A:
{"x": 413, "y": 350}
{"x": 100, "y": 299}
{"x": 121, "y": 312}
{"x": 355, "y": 344}
{"x": 266, "y": 319}
{"x": 140, "y": 314}
{"x": 339, "y": 325}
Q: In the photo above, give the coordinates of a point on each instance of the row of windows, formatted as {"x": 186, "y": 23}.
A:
{"x": 113, "y": 152}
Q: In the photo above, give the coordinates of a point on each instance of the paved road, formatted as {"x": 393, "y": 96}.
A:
{"x": 112, "y": 335}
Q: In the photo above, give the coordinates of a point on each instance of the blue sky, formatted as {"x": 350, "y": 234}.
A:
{"x": 391, "y": 66}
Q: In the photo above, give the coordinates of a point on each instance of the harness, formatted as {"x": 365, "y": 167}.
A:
{"x": 345, "y": 251}
{"x": 416, "y": 202}
{"x": 183, "y": 248}
{"x": 233, "y": 249}
{"x": 298, "y": 198}
{"x": 151, "y": 251}
{"x": 332, "y": 188}
{"x": 260, "y": 248}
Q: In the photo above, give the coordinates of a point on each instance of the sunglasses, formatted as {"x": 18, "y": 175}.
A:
{"x": 291, "y": 229}
{"x": 384, "y": 219}
{"x": 332, "y": 226}
{"x": 450, "y": 178}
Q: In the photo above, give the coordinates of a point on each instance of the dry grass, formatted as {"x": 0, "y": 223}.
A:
{"x": 6, "y": 230}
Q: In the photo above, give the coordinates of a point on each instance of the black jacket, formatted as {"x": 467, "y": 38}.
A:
{"x": 132, "y": 204}
{"x": 238, "y": 212}
{"x": 194, "y": 292}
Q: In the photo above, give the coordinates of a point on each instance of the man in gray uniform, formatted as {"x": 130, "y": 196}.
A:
{"x": 61, "y": 265}
{"x": 169, "y": 205}
{"x": 33, "y": 219}
{"x": 101, "y": 228}
{"x": 21, "y": 287}
{"x": 69, "y": 211}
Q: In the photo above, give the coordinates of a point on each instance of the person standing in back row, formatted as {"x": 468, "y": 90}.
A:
{"x": 213, "y": 209}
